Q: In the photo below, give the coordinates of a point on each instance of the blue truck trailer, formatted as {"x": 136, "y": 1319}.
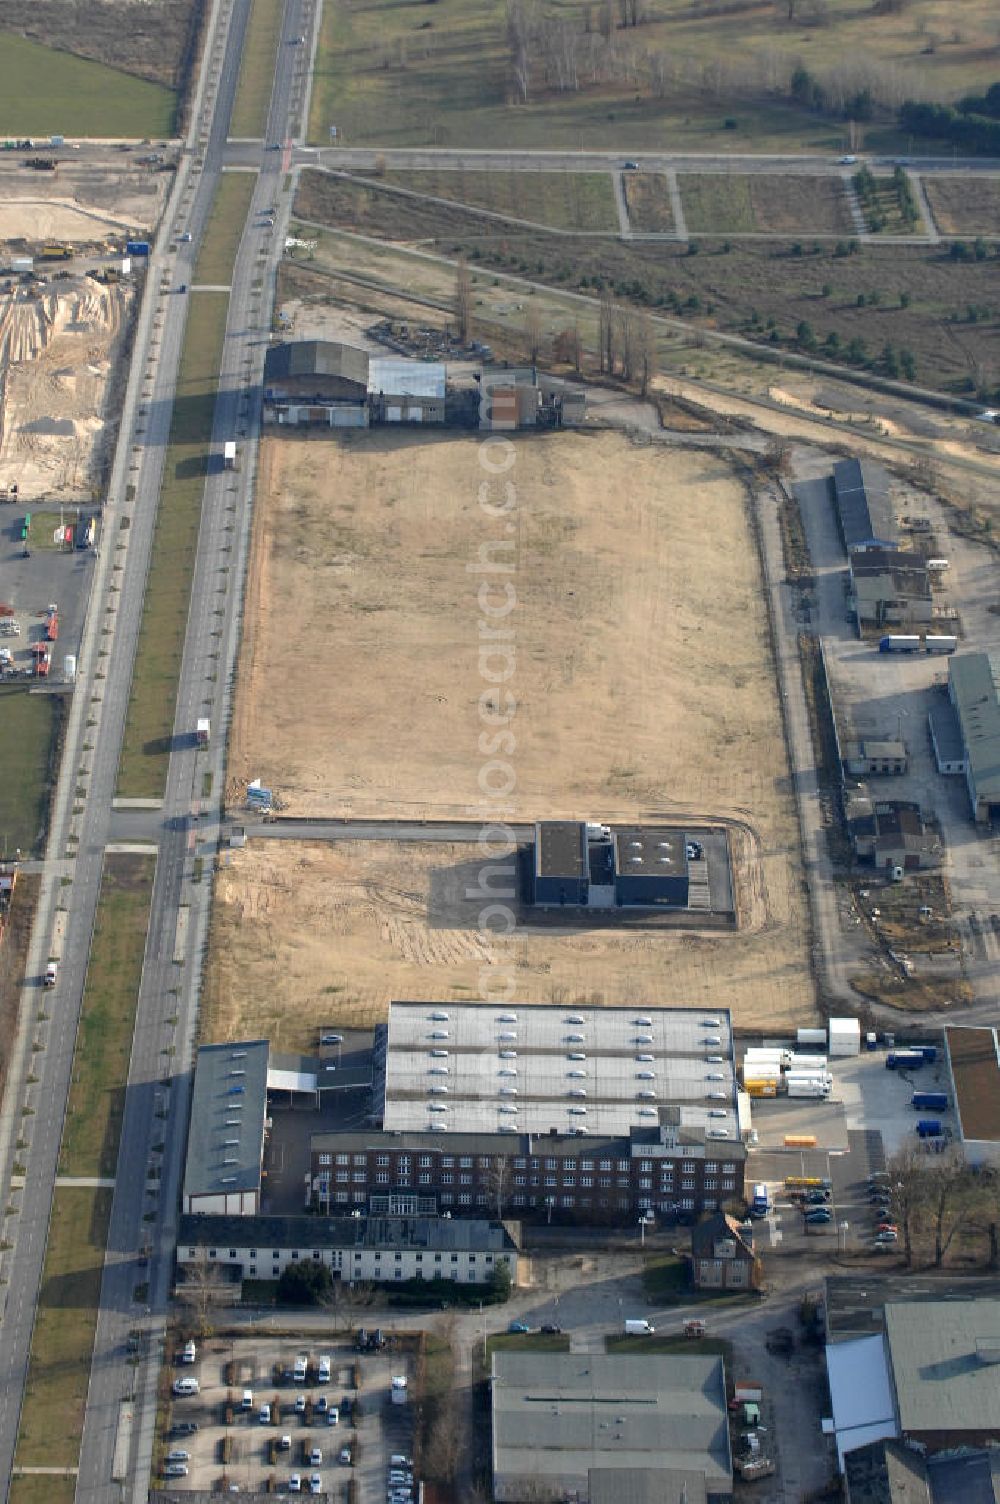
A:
{"x": 905, "y": 1060}
{"x": 929, "y": 1128}
{"x": 930, "y": 1101}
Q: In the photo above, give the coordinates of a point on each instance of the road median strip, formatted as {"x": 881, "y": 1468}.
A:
{"x": 148, "y": 739}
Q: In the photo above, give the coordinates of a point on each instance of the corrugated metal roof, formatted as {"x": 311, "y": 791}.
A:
{"x": 862, "y": 495}
{"x": 975, "y": 689}
{"x": 228, "y": 1107}
{"x": 316, "y": 357}
{"x": 394, "y": 376}
{"x": 860, "y": 1393}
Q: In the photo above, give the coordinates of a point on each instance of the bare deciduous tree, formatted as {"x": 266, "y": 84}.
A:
{"x": 463, "y": 303}
{"x": 648, "y": 352}
{"x": 534, "y": 333}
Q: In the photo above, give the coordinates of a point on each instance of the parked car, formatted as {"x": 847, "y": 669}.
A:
{"x": 887, "y": 1237}
{"x": 323, "y": 1370}
{"x": 285, "y": 1444}
{"x": 190, "y": 1353}
{"x": 316, "y": 1457}
{"x": 175, "y": 1470}
{"x": 178, "y": 1454}
{"x": 300, "y": 1404}
{"x": 265, "y": 1415}
{"x": 817, "y": 1198}
{"x": 184, "y": 1428}
{"x": 550, "y": 1329}
{"x": 630, "y": 167}
{"x": 315, "y": 1484}
{"x": 185, "y": 1386}
{"x": 518, "y": 1326}
{"x": 295, "y": 1484}
{"x": 320, "y": 1405}
{"x": 345, "y": 1456}
{"x": 818, "y": 1216}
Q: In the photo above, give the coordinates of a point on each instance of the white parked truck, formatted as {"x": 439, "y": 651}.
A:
{"x": 229, "y": 455}
{"x": 808, "y": 1086}
{"x": 203, "y": 731}
{"x": 639, "y": 1327}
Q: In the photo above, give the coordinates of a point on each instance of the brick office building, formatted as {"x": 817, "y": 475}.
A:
{"x": 589, "y": 1114}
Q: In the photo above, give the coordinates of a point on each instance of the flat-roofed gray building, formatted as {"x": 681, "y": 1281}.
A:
{"x": 405, "y": 391}
{"x": 583, "y": 864}
{"x": 974, "y": 688}
{"x": 559, "y": 1418}
{"x": 543, "y": 1070}
{"x": 890, "y": 588}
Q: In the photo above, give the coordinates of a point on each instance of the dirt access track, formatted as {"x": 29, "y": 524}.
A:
{"x": 641, "y": 670}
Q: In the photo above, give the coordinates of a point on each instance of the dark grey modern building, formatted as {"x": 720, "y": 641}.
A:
{"x": 582, "y": 864}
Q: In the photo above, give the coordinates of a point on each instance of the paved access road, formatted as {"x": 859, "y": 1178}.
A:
{"x": 487, "y": 160}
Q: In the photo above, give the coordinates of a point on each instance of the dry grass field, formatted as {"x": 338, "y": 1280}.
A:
{"x": 748, "y": 202}
{"x": 642, "y": 676}
{"x": 647, "y": 195}
{"x": 565, "y": 200}
{"x": 311, "y": 934}
{"x": 964, "y": 206}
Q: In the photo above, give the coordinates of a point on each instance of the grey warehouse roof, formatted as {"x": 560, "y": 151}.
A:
{"x": 946, "y": 1364}
{"x": 228, "y": 1107}
{"x": 565, "y": 1413}
{"x": 975, "y": 685}
{"x": 316, "y": 357}
{"x": 646, "y": 1485}
{"x": 488, "y": 1068}
{"x": 862, "y": 496}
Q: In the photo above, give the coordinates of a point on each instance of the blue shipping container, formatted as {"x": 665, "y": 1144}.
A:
{"x": 929, "y": 1128}
{"x": 910, "y": 1060}
{"x": 931, "y": 1101}
{"x": 929, "y": 1052}
{"x": 137, "y": 248}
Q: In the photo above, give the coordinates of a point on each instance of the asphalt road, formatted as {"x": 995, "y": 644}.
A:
{"x": 121, "y": 1401}
{"x": 483, "y": 160}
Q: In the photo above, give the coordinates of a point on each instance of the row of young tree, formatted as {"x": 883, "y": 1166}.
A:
{"x": 962, "y": 127}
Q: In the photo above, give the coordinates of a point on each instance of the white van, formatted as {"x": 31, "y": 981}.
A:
{"x": 639, "y": 1327}
{"x": 190, "y": 1353}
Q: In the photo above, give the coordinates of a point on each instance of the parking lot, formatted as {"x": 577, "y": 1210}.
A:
{"x": 259, "y": 1426}
{"x": 868, "y": 1119}
{"x": 51, "y": 575}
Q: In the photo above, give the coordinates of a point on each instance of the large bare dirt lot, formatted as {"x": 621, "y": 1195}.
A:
{"x": 84, "y": 201}
{"x": 58, "y": 347}
{"x": 644, "y": 687}
{"x": 642, "y": 673}
{"x": 316, "y": 933}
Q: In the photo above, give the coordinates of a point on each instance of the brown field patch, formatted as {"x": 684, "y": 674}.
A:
{"x": 964, "y": 206}
{"x": 642, "y": 677}
{"x": 647, "y": 195}
{"x": 318, "y": 933}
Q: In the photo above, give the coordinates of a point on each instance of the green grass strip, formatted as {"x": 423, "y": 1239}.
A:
{"x": 142, "y": 772}
{"x": 253, "y": 92}
{"x": 43, "y": 90}
{"x": 217, "y": 255}
{"x": 62, "y": 1343}
{"x": 104, "y": 1039}
{"x": 30, "y": 733}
